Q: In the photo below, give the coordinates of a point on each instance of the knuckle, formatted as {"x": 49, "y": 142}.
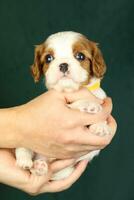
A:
{"x": 64, "y": 139}
{"x": 85, "y": 90}
{"x": 70, "y": 140}
{"x": 70, "y": 122}
{"x": 33, "y": 194}
{"x": 33, "y": 191}
{"x": 67, "y": 139}
{"x": 68, "y": 186}
{"x": 103, "y": 143}
{"x": 107, "y": 141}
{"x": 103, "y": 115}
{"x": 65, "y": 187}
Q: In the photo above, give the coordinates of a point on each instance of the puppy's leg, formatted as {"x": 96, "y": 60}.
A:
{"x": 40, "y": 166}
{"x": 100, "y": 129}
{"x": 62, "y": 174}
{"x": 86, "y": 106}
{"x": 24, "y": 158}
{"x": 90, "y": 155}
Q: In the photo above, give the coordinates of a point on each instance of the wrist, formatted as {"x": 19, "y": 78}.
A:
{"x": 9, "y": 128}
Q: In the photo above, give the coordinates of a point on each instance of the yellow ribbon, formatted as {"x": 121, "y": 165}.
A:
{"x": 93, "y": 86}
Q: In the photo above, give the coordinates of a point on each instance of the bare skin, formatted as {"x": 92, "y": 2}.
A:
{"x": 32, "y": 184}
{"x": 46, "y": 125}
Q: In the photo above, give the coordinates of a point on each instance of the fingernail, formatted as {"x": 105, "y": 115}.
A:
{"x": 86, "y": 161}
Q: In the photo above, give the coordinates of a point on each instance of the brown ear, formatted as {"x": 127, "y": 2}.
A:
{"x": 37, "y": 67}
{"x": 98, "y": 65}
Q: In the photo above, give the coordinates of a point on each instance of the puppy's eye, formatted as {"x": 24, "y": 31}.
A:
{"x": 49, "y": 58}
{"x": 80, "y": 56}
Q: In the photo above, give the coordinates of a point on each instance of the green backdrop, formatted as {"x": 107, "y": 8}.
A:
{"x": 111, "y": 23}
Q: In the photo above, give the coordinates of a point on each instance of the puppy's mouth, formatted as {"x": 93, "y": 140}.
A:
{"x": 65, "y": 75}
{"x": 67, "y": 80}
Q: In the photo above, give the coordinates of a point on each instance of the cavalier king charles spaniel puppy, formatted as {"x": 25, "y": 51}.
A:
{"x": 69, "y": 61}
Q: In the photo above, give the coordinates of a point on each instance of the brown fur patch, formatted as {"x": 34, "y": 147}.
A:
{"x": 46, "y": 52}
{"x": 94, "y": 62}
{"x": 39, "y": 66}
{"x": 80, "y": 47}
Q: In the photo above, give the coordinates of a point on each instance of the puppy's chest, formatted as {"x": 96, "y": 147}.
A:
{"x": 95, "y": 89}
{"x": 85, "y": 105}
{"x": 99, "y": 93}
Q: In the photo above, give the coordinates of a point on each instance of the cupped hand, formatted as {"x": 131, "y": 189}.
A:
{"x": 12, "y": 175}
{"x": 46, "y": 125}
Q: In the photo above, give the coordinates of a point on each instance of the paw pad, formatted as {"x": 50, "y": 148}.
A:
{"x": 40, "y": 167}
{"x": 100, "y": 129}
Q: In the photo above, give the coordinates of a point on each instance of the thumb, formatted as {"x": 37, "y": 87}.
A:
{"x": 83, "y": 93}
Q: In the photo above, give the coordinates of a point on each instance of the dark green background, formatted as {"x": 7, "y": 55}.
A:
{"x": 111, "y": 23}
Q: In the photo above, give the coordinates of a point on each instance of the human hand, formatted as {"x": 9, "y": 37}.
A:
{"x": 12, "y": 175}
{"x": 46, "y": 125}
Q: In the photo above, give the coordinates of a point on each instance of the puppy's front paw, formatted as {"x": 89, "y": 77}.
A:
{"x": 40, "y": 167}
{"x": 92, "y": 108}
{"x": 100, "y": 129}
{"x": 24, "y": 162}
{"x": 86, "y": 106}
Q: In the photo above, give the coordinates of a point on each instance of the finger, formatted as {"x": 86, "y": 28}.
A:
{"x": 108, "y": 102}
{"x": 57, "y": 186}
{"x": 95, "y": 142}
{"x": 112, "y": 123}
{"x": 80, "y": 148}
{"x": 83, "y": 93}
{"x": 14, "y": 176}
{"x": 83, "y": 118}
{"x": 34, "y": 183}
{"x": 61, "y": 164}
{"x": 85, "y": 139}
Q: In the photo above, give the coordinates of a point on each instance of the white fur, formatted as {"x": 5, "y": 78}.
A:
{"x": 100, "y": 129}
{"x": 24, "y": 158}
{"x": 74, "y": 77}
{"x": 61, "y": 43}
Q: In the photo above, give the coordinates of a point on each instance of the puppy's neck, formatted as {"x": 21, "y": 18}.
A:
{"x": 94, "y": 84}
{"x": 68, "y": 85}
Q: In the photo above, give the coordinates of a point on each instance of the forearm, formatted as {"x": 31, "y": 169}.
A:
{"x": 8, "y": 128}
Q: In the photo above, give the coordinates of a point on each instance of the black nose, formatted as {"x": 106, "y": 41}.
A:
{"x": 63, "y": 67}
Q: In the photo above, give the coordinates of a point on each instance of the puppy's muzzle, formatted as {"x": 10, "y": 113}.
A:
{"x": 63, "y": 67}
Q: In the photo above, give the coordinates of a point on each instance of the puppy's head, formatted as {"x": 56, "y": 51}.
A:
{"x": 68, "y": 60}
